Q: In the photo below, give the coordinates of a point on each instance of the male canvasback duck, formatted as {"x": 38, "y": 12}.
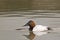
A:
{"x": 34, "y": 27}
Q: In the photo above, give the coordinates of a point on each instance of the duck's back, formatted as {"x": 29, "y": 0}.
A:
{"x": 40, "y": 28}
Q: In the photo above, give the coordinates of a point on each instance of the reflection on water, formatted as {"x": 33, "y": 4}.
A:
{"x": 40, "y": 33}
{"x": 32, "y": 35}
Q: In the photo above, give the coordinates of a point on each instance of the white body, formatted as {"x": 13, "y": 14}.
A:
{"x": 40, "y": 28}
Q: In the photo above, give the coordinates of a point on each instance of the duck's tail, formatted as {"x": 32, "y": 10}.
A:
{"x": 49, "y": 28}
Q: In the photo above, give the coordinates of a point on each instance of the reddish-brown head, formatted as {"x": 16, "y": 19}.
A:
{"x": 31, "y": 24}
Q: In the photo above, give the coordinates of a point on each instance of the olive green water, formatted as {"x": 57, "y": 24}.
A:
{"x": 17, "y": 5}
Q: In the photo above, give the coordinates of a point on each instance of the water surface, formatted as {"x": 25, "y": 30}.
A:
{"x": 10, "y": 21}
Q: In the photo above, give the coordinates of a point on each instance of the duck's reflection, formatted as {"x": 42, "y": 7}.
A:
{"x": 32, "y": 35}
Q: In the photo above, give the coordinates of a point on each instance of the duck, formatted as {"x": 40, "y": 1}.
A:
{"x": 34, "y": 27}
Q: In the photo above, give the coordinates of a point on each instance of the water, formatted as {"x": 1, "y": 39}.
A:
{"x": 10, "y": 21}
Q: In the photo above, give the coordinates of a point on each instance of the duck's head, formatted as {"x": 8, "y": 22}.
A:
{"x": 31, "y": 24}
